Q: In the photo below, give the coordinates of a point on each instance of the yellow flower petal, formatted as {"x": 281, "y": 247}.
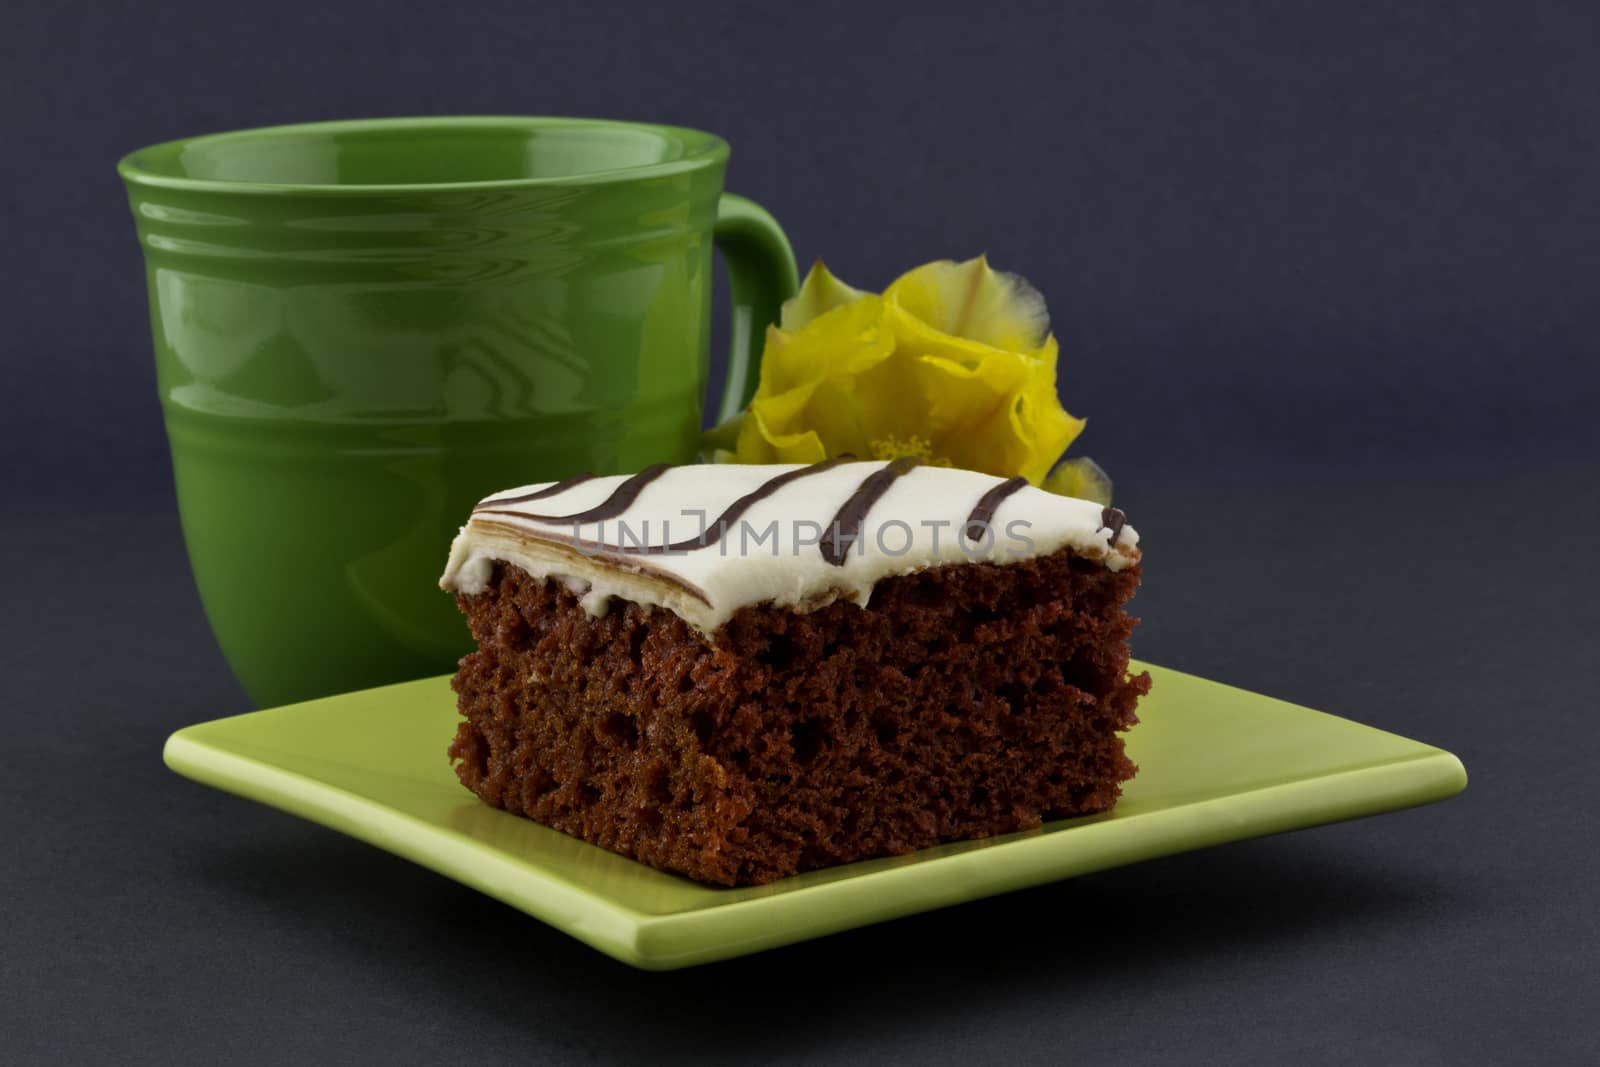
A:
{"x": 820, "y": 293}
{"x": 953, "y": 388}
{"x": 1080, "y": 477}
{"x": 890, "y": 402}
{"x": 821, "y": 413}
{"x": 803, "y": 446}
{"x": 844, "y": 341}
{"x": 974, "y": 302}
{"x": 953, "y": 364}
{"x": 988, "y": 443}
{"x": 835, "y": 413}
{"x": 1040, "y": 419}
{"x": 783, "y": 412}
{"x": 752, "y": 445}
{"x": 998, "y": 413}
{"x": 723, "y": 437}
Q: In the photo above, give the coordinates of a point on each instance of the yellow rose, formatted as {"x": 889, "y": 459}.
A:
{"x": 954, "y": 364}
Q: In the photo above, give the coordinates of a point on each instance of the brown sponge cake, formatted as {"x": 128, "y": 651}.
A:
{"x": 737, "y": 715}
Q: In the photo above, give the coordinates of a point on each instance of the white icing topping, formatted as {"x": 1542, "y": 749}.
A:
{"x": 772, "y": 552}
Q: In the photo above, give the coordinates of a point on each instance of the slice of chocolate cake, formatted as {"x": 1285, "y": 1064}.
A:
{"x": 741, "y": 672}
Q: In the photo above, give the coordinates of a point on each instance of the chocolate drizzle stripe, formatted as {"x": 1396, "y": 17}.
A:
{"x": 983, "y": 512}
{"x": 845, "y": 529}
{"x": 620, "y": 500}
{"x": 554, "y": 490}
{"x": 1113, "y": 519}
{"x": 713, "y": 533}
{"x": 707, "y": 537}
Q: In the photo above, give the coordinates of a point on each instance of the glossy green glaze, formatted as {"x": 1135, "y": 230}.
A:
{"x": 361, "y": 328}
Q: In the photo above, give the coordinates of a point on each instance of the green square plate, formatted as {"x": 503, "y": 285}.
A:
{"x": 1216, "y": 764}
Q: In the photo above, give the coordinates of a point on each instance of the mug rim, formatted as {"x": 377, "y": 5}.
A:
{"x": 700, "y": 150}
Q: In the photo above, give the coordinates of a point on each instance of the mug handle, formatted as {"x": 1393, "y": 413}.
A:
{"x": 761, "y": 276}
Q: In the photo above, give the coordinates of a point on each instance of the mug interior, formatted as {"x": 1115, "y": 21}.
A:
{"x": 411, "y": 152}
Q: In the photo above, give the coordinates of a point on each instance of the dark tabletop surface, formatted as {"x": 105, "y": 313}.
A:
{"x": 149, "y": 918}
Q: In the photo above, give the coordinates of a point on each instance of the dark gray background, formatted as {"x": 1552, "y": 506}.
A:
{"x": 149, "y": 919}
{"x": 1277, "y": 238}
{"x": 1323, "y": 279}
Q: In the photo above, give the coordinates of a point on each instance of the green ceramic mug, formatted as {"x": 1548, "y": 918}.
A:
{"x": 361, "y": 328}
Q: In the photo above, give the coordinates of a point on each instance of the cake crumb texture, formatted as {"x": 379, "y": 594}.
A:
{"x": 966, "y": 701}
